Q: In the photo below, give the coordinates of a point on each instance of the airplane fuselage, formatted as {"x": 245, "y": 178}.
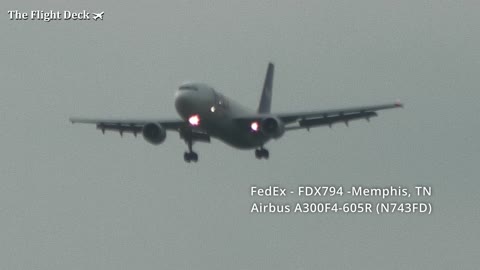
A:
{"x": 216, "y": 114}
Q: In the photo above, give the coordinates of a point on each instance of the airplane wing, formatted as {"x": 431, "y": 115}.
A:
{"x": 299, "y": 120}
{"x": 133, "y": 125}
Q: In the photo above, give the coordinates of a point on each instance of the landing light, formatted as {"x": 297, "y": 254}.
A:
{"x": 254, "y": 126}
{"x": 212, "y": 109}
{"x": 398, "y": 103}
{"x": 194, "y": 120}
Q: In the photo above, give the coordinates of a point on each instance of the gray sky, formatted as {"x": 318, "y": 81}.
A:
{"x": 71, "y": 198}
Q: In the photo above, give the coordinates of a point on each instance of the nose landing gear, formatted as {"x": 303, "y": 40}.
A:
{"x": 261, "y": 153}
{"x": 190, "y": 156}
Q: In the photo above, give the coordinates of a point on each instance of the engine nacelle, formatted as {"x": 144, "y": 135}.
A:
{"x": 272, "y": 127}
{"x": 154, "y": 133}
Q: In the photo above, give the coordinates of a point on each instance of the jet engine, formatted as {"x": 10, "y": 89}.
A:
{"x": 272, "y": 127}
{"x": 154, "y": 133}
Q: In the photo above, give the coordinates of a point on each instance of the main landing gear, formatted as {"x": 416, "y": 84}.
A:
{"x": 261, "y": 153}
{"x": 190, "y": 155}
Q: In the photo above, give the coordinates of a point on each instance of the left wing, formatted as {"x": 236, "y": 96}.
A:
{"x": 299, "y": 120}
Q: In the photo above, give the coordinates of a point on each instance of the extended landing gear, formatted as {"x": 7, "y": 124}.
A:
{"x": 261, "y": 153}
{"x": 190, "y": 156}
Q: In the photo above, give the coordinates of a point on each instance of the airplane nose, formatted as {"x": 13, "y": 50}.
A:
{"x": 183, "y": 101}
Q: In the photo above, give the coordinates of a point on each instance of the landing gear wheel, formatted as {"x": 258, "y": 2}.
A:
{"x": 262, "y": 153}
{"x": 258, "y": 154}
{"x": 190, "y": 156}
{"x": 186, "y": 157}
{"x": 194, "y": 156}
{"x": 266, "y": 154}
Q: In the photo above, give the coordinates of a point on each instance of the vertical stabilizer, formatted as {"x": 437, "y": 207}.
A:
{"x": 266, "y": 98}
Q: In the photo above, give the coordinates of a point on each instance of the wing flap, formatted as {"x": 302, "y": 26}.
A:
{"x": 136, "y": 126}
{"x": 121, "y": 128}
{"x": 329, "y": 120}
{"x": 293, "y": 117}
{"x": 168, "y": 124}
{"x": 128, "y": 126}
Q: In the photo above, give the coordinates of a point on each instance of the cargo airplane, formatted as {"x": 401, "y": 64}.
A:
{"x": 206, "y": 113}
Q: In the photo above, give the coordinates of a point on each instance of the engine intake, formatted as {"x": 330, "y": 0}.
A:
{"x": 272, "y": 127}
{"x": 154, "y": 133}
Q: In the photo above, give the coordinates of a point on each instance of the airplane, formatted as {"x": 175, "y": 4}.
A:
{"x": 98, "y": 15}
{"x": 206, "y": 113}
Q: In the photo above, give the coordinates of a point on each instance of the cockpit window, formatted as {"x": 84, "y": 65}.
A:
{"x": 220, "y": 100}
{"x": 188, "y": 87}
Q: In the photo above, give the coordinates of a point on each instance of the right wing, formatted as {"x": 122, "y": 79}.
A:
{"x": 329, "y": 117}
{"x": 132, "y": 126}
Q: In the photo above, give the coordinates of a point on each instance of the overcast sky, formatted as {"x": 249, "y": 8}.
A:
{"x": 72, "y": 198}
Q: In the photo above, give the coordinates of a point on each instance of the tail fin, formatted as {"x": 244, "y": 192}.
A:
{"x": 266, "y": 99}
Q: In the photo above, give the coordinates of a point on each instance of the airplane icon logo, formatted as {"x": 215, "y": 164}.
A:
{"x": 97, "y": 16}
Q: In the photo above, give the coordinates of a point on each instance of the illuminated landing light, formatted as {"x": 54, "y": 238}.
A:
{"x": 194, "y": 120}
{"x": 398, "y": 103}
{"x": 254, "y": 126}
{"x": 212, "y": 109}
